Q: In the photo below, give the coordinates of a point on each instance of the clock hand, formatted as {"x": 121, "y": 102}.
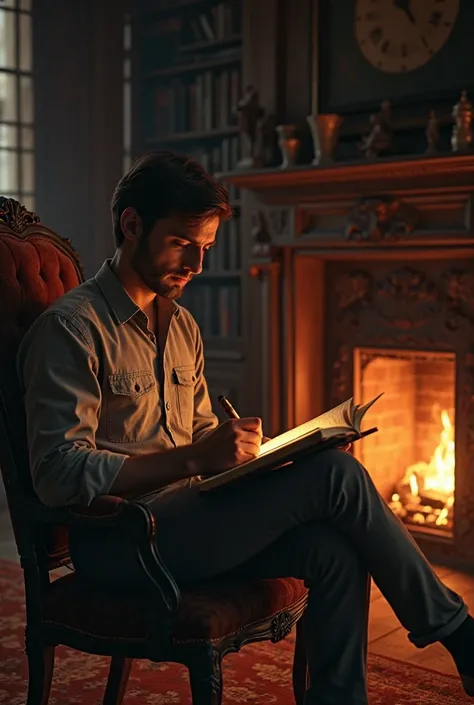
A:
{"x": 405, "y": 6}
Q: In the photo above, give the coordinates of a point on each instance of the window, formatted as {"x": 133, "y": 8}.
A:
{"x": 16, "y": 102}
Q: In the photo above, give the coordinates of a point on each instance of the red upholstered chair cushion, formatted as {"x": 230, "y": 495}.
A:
{"x": 33, "y": 274}
{"x": 210, "y": 611}
{"x": 36, "y": 267}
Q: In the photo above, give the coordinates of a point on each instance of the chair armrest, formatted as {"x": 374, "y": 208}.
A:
{"x": 132, "y": 518}
{"x": 106, "y": 511}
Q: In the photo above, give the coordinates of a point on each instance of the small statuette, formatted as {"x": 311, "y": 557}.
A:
{"x": 461, "y": 139}
{"x": 432, "y": 134}
{"x": 380, "y": 138}
{"x": 249, "y": 112}
{"x": 260, "y": 234}
{"x": 258, "y": 127}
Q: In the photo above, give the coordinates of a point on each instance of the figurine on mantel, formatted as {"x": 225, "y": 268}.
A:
{"x": 380, "y": 138}
{"x": 461, "y": 139}
{"x": 258, "y": 128}
{"x": 432, "y": 134}
{"x": 262, "y": 240}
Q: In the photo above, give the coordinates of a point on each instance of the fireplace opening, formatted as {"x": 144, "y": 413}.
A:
{"x": 411, "y": 459}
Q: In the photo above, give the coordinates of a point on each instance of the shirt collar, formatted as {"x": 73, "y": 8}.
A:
{"x": 122, "y": 306}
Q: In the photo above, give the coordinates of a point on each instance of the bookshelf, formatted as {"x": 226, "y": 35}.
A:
{"x": 187, "y": 82}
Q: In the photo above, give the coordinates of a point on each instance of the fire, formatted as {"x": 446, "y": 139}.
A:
{"x": 429, "y": 495}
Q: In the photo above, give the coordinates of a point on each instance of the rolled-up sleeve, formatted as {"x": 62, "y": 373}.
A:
{"x": 59, "y": 370}
{"x": 204, "y": 418}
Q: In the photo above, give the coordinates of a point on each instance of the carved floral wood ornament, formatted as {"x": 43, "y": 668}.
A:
{"x": 16, "y": 216}
{"x": 20, "y": 221}
{"x": 380, "y": 218}
{"x": 406, "y": 298}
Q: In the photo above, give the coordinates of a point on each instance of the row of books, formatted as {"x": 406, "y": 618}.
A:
{"x": 225, "y": 257}
{"x": 215, "y": 307}
{"x": 219, "y": 22}
{"x": 223, "y": 157}
{"x": 181, "y": 39}
{"x": 205, "y": 103}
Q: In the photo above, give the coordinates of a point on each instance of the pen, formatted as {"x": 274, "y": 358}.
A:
{"x": 227, "y": 406}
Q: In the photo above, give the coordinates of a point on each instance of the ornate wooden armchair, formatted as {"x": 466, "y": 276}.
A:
{"x": 195, "y": 627}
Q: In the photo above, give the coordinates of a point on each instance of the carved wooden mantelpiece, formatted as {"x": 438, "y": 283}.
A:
{"x": 392, "y": 202}
{"x": 376, "y": 255}
{"x": 357, "y": 177}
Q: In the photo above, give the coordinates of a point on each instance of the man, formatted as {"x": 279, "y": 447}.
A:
{"x": 117, "y": 403}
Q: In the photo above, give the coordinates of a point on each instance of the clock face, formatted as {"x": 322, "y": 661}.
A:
{"x": 397, "y": 36}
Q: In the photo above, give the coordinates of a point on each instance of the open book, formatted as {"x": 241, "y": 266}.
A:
{"x": 336, "y": 427}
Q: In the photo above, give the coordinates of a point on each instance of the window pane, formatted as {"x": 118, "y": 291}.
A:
{"x": 27, "y": 172}
{"x": 7, "y": 39}
{"x": 8, "y": 136}
{"x": 25, "y": 5}
{"x": 25, "y": 42}
{"x": 26, "y": 99}
{"x": 7, "y": 96}
{"x": 127, "y": 69}
{"x": 28, "y": 202}
{"x": 8, "y": 171}
{"x": 27, "y": 138}
{"x": 9, "y": 3}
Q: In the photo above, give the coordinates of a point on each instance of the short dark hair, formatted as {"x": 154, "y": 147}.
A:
{"x": 163, "y": 183}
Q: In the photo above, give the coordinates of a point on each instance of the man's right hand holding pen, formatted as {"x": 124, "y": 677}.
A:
{"x": 232, "y": 443}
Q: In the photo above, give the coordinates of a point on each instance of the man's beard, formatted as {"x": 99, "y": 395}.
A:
{"x": 153, "y": 276}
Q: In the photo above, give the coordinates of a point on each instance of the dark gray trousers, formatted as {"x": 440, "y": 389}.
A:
{"x": 321, "y": 520}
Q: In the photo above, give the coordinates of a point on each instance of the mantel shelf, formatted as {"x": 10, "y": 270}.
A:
{"x": 355, "y": 176}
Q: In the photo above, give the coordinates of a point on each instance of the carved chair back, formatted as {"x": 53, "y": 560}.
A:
{"x": 36, "y": 267}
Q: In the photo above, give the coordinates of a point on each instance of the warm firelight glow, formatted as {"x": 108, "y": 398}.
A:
{"x": 426, "y": 492}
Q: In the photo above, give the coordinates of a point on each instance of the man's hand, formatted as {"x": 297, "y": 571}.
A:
{"x": 232, "y": 443}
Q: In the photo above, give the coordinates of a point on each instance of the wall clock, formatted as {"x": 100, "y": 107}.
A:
{"x": 412, "y": 52}
{"x": 397, "y": 36}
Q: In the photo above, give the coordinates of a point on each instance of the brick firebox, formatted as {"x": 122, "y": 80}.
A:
{"x": 355, "y": 266}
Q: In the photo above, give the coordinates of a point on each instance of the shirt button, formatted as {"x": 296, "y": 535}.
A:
{"x": 167, "y": 406}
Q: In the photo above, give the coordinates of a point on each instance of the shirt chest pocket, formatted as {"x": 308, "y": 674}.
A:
{"x": 131, "y": 406}
{"x": 184, "y": 379}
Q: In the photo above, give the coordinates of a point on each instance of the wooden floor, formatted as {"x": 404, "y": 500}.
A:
{"x": 386, "y": 636}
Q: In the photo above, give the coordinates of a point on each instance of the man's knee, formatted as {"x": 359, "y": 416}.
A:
{"x": 327, "y": 554}
{"x": 339, "y": 464}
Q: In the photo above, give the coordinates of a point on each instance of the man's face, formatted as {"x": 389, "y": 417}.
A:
{"x": 173, "y": 253}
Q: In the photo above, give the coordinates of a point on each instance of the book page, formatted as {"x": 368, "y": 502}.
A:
{"x": 361, "y": 411}
{"x": 339, "y": 417}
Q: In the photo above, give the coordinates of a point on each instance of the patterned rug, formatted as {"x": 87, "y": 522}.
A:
{"x": 259, "y": 674}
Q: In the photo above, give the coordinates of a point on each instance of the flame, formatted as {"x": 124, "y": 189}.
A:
{"x": 434, "y": 479}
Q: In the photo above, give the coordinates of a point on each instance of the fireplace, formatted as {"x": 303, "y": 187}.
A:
{"x": 362, "y": 282}
{"x": 412, "y": 461}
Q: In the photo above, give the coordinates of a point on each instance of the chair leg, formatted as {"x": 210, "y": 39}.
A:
{"x": 40, "y": 672}
{"x": 205, "y": 675}
{"x": 300, "y": 664}
{"x": 119, "y": 672}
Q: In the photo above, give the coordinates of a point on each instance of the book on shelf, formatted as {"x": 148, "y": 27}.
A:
{"x": 191, "y": 62}
{"x": 201, "y": 103}
{"x": 215, "y": 307}
{"x": 217, "y": 23}
{"x": 336, "y": 427}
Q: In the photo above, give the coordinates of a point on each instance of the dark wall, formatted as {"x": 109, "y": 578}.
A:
{"x": 79, "y": 120}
